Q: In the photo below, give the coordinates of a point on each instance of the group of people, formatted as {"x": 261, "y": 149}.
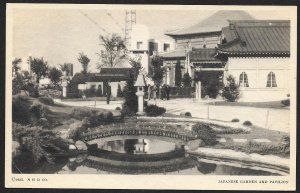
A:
{"x": 153, "y": 92}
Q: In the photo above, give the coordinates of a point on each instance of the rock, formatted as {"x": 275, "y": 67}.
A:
{"x": 80, "y": 145}
{"x": 81, "y": 157}
{"x": 15, "y": 148}
{"x": 72, "y": 147}
{"x": 71, "y": 141}
{"x": 44, "y": 123}
{"x": 72, "y": 159}
{"x": 194, "y": 144}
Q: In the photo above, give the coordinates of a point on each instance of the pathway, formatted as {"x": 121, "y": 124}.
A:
{"x": 278, "y": 119}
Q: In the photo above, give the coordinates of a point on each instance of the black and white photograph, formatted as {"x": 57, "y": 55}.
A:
{"x": 151, "y": 92}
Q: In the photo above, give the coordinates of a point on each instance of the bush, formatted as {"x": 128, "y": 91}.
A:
{"x": 46, "y": 100}
{"x": 118, "y": 108}
{"x": 205, "y": 133}
{"x": 235, "y": 120}
{"x": 186, "y": 114}
{"x": 20, "y": 109}
{"x": 92, "y": 118}
{"x": 247, "y": 123}
{"x": 286, "y": 102}
{"x": 231, "y": 90}
{"x": 153, "y": 110}
{"x": 33, "y": 90}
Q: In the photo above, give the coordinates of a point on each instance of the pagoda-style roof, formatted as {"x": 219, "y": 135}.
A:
{"x": 177, "y": 53}
{"x": 214, "y": 23}
{"x": 204, "y": 55}
{"x": 263, "y": 37}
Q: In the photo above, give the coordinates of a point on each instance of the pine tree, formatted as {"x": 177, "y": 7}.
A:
{"x": 178, "y": 77}
{"x": 231, "y": 91}
{"x": 130, "y": 105}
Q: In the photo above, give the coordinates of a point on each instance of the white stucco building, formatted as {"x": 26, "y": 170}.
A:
{"x": 257, "y": 54}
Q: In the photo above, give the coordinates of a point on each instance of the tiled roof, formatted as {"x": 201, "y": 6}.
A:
{"x": 203, "y": 55}
{"x": 257, "y": 37}
{"x": 177, "y": 53}
{"x": 214, "y": 23}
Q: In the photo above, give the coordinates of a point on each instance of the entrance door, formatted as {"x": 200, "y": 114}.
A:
{"x": 211, "y": 82}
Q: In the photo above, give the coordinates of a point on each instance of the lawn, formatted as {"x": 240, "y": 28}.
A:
{"x": 275, "y": 147}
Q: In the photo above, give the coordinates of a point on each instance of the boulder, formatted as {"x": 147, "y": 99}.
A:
{"x": 80, "y": 145}
{"x": 72, "y": 147}
{"x": 15, "y": 148}
{"x": 194, "y": 144}
{"x": 44, "y": 123}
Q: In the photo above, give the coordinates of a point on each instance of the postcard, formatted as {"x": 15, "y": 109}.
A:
{"x": 150, "y": 97}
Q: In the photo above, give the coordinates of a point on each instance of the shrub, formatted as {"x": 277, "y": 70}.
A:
{"x": 20, "y": 109}
{"x": 205, "y": 133}
{"x": 118, "y": 108}
{"x": 186, "y": 114}
{"x": 40, "y": 143}
{"x": 286, "y": 102}
{"x": 247, "y": 123}
{"x": 92, "y": 118}
{"x": 235, "y": 120}
{"x": 46, "y": 100}
{"x": 119, "y": 91}
{"x": 33, "y": 90}
{"x": 231, "y": 90}
{"x": 153, "y": 110}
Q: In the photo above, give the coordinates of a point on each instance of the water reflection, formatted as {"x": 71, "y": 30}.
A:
{"x": 139, "y": 156}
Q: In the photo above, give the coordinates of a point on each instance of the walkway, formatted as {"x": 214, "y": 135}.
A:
{"x": 278, "y": 119}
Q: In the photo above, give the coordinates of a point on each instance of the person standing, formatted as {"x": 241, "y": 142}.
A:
{"x": 149, "y": 92}
{"x": 168, "y": 89}
{"x": 108, "y": 93}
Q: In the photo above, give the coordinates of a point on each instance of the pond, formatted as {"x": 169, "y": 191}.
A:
{"x": 136, "y": 155}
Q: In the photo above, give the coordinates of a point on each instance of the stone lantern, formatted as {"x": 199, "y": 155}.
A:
{"x": 64, "y": 84}
{"x": 140, "y": 84}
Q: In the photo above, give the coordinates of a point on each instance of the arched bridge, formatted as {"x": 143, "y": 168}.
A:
{"x": 183, "y": 136}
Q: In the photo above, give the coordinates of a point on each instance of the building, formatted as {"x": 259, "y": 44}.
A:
{"x": 143, "y": 47}
{"x": 112, "y": 76}
{"x": 257, "y": 54}
{"x": 206, "y": 34}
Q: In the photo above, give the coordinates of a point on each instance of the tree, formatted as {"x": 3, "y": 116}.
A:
{"x": 114, "y": 52}
{"x": 158, "y": 71}
{"x": 130, "y": 105}
{"x": 119, "y": 91}
{"x": 17, "y": 84}
{"x": 66, "y": 68}
{"x": 38, "y": 66}
{"x": 178, "y": 77}
{"x": 55, "y": 75}
{"x": 84, "y": 60}
{"x": 186, "y": 80}
{"x": 231, "y": 90}
{"x": 15, "y": 65}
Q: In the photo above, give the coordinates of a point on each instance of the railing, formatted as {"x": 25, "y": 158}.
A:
{"x": 150, "y": 132}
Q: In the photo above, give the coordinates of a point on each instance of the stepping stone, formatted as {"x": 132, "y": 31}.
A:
{"x": 221, "y": 140}
{"x": 240, "y": 140}
{"x": 262, "y": 140}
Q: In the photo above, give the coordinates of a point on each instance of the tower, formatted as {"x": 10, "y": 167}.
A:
{"x": 130, "y": 19}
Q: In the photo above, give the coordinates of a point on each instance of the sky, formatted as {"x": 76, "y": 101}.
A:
{"x": 59, "y": 35}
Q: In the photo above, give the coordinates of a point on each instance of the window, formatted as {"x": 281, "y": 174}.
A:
{"x": 166, "y": 47}
{"x": 271, "y": 82}
{"x": 139, "y": 45}
{"x": 244, "y": 80}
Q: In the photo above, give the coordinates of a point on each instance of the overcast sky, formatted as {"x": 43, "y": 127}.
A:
{"x": 59, "y": 35}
